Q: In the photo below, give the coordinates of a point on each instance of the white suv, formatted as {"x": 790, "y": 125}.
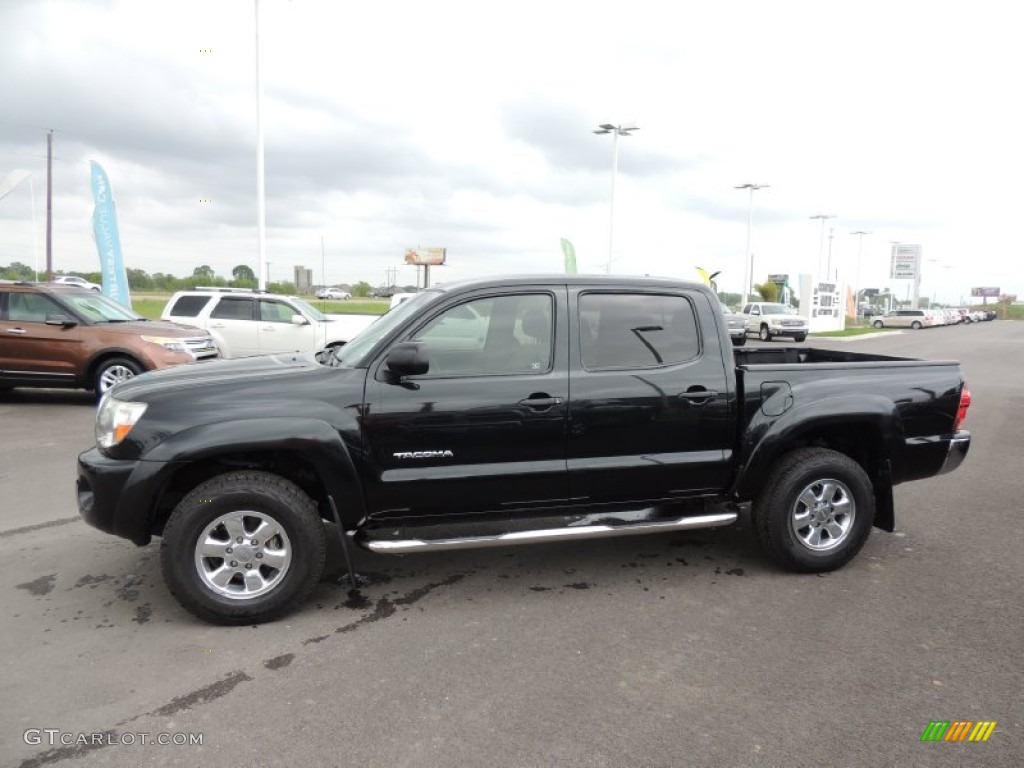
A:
{"x": 769, "y": 319}
{"x": 247, "y": 323}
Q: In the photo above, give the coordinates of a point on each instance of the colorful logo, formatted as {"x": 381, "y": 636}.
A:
{"x": 958, "y": 730}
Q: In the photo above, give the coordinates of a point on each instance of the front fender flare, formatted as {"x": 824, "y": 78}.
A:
{"x": 315, "y": 440}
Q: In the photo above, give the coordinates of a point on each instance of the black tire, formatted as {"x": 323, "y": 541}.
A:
{"x": 739, "y": 342}
{"x": 800, "y": 337}
{"x": 878, "y": 324}
{"x": 764, "y": 334}
{"x": 916, "y": 325}
{"x": 113, "y": 371}
{"x": 250, "y": 497}
{"x": 778, "y": 510}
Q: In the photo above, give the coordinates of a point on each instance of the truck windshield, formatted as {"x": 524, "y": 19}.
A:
{"x": 355, "y": 353}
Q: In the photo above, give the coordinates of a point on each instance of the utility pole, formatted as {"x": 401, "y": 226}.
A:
{"x": 828, "y": 269}
{"x": 49, "y": 206}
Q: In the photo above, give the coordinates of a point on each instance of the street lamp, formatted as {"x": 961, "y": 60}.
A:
{"x": 856, "y": 284}
{"x": 748, "y": 257}
{"x": 821, "y": 242}
{"x": 615, "y": 131}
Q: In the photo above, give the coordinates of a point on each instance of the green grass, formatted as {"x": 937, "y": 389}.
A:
{"x": 152, "y": 304}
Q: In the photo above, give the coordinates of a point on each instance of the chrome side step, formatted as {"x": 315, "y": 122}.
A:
{"x": 401, "y": 547}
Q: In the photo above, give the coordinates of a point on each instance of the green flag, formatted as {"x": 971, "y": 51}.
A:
{"x": 570, "y": 257}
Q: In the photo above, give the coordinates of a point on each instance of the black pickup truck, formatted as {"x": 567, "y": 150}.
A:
{"x": 510, "y": 411}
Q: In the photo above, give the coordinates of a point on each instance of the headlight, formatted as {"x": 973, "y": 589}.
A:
{"x": 115, "y": 419}
{"x": 167, "y": 342}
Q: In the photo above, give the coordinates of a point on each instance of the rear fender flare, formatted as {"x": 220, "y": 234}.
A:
{"x": 768, "y": 438}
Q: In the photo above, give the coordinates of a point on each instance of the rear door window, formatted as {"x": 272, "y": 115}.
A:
{"x": 636, "y": 330}
{"x": 233, "y": 309}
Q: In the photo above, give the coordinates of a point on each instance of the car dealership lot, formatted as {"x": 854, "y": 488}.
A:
{"x": 665, "y": 650}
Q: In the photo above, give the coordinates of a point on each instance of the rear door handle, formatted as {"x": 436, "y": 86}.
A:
{"x": 18, "y": 331}
{"x": 697, "y": 396}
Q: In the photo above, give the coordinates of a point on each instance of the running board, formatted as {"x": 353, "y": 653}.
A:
{"x": 401, "y": 547}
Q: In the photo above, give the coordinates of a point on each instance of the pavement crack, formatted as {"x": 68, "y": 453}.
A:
{"x": 203, "y": 695}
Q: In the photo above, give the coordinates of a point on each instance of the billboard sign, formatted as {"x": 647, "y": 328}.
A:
{"x": 986, "y": 292}
{"x": 906, "y": 262}
{"x": 431, "y": 257}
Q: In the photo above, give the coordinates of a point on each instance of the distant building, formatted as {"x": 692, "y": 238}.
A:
{"x": 303, "y": 280}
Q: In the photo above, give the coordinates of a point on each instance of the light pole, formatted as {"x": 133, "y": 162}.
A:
{"x": 821, "y": 241}
{"x": 748, "y": 256}
{"x": 615, "y": 131}
{"x": 856, "y": 284}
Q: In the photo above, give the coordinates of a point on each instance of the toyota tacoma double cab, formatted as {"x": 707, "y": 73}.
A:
{"x": 511, "y": 411}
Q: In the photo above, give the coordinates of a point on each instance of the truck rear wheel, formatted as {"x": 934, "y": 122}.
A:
{"x": 816, "y": 511}
{"x": 243, "y": 548}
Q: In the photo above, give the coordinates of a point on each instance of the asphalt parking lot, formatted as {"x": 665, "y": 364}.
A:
{"x": 649, "y": 651}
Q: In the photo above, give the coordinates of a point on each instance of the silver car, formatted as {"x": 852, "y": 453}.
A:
{"x": 737, "y": 325}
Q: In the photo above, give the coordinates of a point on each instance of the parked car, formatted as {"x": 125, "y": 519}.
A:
{"x": 769, "y": 319}
{"x": 333, "y": 293}
{"x": 383, "y": 293}
{"x": 66, "y": 336}
{"x": 737, "y": 325}
{"x": 905, "y": 318}
{"x": 78, "y": 282}
{"x": 247, "y": 323}
{"x": 594, "y": 407}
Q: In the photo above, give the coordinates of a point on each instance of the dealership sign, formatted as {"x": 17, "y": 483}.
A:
{"x": 431, "y": 257}
{"x": 986, "y": 292}
{"x": 906, "y": 262}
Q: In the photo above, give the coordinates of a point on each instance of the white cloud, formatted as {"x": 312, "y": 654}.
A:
{"x": 398, "y": 124}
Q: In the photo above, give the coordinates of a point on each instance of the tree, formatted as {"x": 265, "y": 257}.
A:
{"x": 17, "y": 271}
{"x": 205, "y": 272}
{"x": 768, "y": 290}
{"x": 730, "y": 299}
{"x": 361, "y": 289}
{"x": 243, "y": 272}
{"x": 138, "y": 280}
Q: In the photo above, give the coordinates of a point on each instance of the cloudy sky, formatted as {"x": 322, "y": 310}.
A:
{"x": 468, "y": 125}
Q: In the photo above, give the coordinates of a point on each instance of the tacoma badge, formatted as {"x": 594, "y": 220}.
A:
{"x": 424, "y": 455}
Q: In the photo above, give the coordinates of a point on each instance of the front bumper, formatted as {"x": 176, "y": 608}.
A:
{"x": 118, "y": 495}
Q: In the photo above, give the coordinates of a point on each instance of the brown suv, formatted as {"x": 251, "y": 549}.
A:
{"x": 64, "y": 336}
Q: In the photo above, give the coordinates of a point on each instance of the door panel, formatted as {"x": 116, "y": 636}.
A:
{"x": 651, "y": 416}
{"x": 234, "y": 327}
{"x": 29, "y": 346}
{"x": 484, "y": 429}
{"x": 277, "y": 332}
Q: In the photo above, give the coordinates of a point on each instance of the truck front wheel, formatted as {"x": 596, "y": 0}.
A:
{"x": 242, "y": 548}
{"x": 816, "y": 511}
{"x": 764, "y": 334}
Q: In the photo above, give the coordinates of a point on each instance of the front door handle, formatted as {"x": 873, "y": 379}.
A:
{"x": 19, "y": 331}
{"x": 540, "y": 402}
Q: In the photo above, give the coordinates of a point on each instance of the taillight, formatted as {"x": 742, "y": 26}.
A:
{"x": 961, "y": 411}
